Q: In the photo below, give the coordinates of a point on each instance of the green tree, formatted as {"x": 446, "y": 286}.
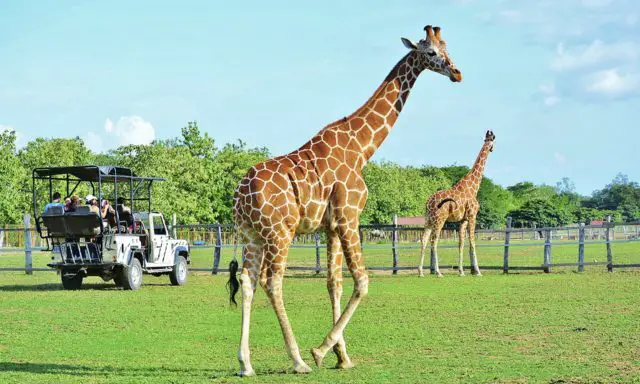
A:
{"x": 622, "y": 195}
{"x": 541, "y": 213}
{"x": 394, "y": 189}
{"x": 12, "y": 177}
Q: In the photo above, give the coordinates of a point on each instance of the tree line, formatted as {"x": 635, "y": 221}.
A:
{"x": 201, "y": 178}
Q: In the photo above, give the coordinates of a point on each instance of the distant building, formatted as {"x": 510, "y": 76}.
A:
{"x": 414, "y": 220}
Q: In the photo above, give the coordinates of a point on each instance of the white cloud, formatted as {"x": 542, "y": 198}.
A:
{"x": 613, "y": 84}
{"x": 93, "y": 141}
{"x": 560, "y": 158}
{"x": 550, "y": 96}
{"x": 133, "y": 130}
{"x": 128, "y": 130}
{"x": 594, "y": 54}
{"x": 550, "y": 101}
{"x": 108, "y": 125}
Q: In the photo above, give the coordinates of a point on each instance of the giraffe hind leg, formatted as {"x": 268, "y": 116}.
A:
{"x": 435, "y": 236}
{"x": 462, "y": 233}
{"x": 271, "y": 282}
{"x": 350, "y": 241}
{"x": 334, "y": 286}
{"x": 426, "y": 234}
{"x": 252, "y": 255}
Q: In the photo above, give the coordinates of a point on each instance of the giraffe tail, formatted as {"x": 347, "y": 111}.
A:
{"x": 233, "y": 285}
{"x": 444, "y": 201}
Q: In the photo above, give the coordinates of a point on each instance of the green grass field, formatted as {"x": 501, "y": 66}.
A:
{"x": 562, "y": 327}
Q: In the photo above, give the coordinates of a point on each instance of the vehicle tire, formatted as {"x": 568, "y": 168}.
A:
{"x": 178, "y": 275}
{"x": 132, "y": 275}
{"x": 117, "y": 278}
{"x": 71, "y": 282}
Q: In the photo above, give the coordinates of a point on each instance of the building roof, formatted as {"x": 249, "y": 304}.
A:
{"x": 414, "y": 220}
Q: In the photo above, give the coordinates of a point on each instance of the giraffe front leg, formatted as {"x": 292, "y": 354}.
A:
{"x": 475, "y": 270}
{"x": 334, "y": 286}
{"x": 350, "y": 241}
{"x": 271, "y": 281}
{"x": 462, "y": 233}
{"x": 248, "y": 278}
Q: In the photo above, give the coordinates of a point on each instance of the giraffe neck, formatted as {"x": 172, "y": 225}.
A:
{"x": 370, "y": 125}
{"x": 473, "y": 179}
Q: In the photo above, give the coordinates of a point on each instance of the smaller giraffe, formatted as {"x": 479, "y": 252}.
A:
{"x": 458, "y": 203}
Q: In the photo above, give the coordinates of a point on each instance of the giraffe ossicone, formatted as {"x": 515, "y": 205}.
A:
{"x": 320, "y": 185}
{"x": 458, "y": 203}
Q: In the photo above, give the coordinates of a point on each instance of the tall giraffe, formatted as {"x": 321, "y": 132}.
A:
{"x": 459, "y": 203}
{"x": 321, "y": 185}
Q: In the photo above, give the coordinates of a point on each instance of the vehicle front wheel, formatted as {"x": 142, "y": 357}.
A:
{"x": 179, "y": 274}
{"x": 71, "y": 281}
{"x": 131, "y": 276}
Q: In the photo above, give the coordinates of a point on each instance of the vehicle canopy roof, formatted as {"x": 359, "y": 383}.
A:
{"x": 91, "y": 173}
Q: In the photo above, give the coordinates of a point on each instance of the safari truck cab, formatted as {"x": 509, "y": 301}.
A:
{"x": 110, "y": 240}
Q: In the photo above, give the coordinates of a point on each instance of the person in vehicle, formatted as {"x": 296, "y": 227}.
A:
{"x": 124, "y": 212}
{"x": 108, "y": 213}
{"x": 54, "y": 203}
{"x": 74, "y": 203}
{"x": 92, "y": 202}
{"x": 67, "y": 204}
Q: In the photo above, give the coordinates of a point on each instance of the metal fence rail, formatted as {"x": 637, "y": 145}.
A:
{"x": 395, "y": 239}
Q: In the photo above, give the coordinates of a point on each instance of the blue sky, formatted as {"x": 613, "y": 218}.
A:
{"x": 557, "y": 81}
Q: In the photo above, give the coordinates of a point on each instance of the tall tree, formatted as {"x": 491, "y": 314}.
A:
{"x": 12, "y": 176}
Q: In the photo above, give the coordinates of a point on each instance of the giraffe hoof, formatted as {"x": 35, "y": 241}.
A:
{"x": 317, "y": 356}
{"x": 246, "y": 373}
{"x": 439, "y": 275}
{"x": 344, "y": 365}
{"x": 461, "y": 274}
{"x": 301, "y": 368}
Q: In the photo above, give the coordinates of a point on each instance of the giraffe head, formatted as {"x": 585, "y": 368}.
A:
{"x": 489, "y": 138}
{"x": 433, "y": 55}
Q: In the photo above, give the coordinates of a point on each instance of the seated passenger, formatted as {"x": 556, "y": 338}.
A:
{"x": 54, "y": 203}
{"x": 74, "y": 203}
{"x": 108, "y": 213}
{"x": 124, "y": 212}
{"x": 92, "y": 202}
{"x": 67, "y": 204}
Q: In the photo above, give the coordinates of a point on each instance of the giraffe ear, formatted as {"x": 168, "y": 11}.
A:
{"x": 408, "y": 43}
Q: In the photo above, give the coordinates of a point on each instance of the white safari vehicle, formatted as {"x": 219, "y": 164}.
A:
{"x": 116, "y": 241}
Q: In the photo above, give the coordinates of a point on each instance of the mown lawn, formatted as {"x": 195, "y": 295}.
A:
{"x": 563, "y": 327}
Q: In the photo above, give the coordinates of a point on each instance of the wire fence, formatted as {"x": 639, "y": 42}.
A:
{"x": 391, "y": 248}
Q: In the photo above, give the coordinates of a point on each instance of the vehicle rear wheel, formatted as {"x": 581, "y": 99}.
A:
{"x": 131, "y": 275}
{"x": 71, "y": 281}
{"x": 117, "y": 278}
{"x": 179, "y": 274}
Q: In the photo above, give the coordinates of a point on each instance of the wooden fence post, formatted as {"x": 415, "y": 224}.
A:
{"x": 216, "y": 250}
{"x": 507, "y": 238}
{"x": 174, "y": 222}
{"x": 608, "y": 240}
{"x": 317, "y": 236}
{"x": 394, "y": 240}
{"x": 547, "y": 251}
{"x": 28, "y": 262}
{"x": 581, "y": 248}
